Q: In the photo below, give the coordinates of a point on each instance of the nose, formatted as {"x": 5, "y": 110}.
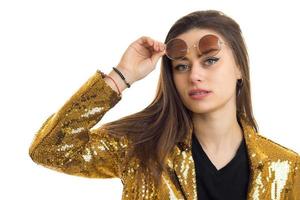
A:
{"x": 197, "y": 72}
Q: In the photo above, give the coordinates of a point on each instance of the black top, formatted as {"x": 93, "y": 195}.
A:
{"x": 229, "y": 182}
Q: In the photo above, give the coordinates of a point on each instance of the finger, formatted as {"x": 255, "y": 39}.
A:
{"x": 162, "y": 46}
{"x": 144, "y": 40}
{"x": 159, "y": 46}
{"x": 156, "y": 56}
{"x": 151, "y": 44}
{"x": 155, "y": 46}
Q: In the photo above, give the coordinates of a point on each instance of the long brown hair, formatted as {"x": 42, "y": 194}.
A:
{"x": 157, "y": 128}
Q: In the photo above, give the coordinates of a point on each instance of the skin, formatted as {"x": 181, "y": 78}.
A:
{"x": 214, "y": 117}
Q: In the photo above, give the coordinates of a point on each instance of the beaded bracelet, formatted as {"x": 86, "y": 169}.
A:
{"x": 114, "y": 83}
{"x": 121, "y": 75}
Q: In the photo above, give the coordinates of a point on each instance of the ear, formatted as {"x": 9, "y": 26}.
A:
{"x": 238, "y": 72}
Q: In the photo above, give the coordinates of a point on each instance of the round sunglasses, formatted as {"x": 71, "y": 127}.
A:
{"x": 177, "y": 49}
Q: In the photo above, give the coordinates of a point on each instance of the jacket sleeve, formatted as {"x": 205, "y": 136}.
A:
{"x": 295, "y": 192}
{"x": 66, "y": 143}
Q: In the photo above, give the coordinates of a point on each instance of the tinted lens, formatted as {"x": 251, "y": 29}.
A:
{"x": 209, "y": 45}
{"x": 176, "y": 49}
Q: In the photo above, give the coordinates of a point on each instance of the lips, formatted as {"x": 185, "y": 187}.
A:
{"x": 198, "y": 91}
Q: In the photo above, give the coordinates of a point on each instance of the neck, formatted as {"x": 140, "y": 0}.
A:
{"x": 217, "y": 131}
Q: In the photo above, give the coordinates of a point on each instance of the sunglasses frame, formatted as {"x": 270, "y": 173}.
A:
{"x": 195, "y": 45}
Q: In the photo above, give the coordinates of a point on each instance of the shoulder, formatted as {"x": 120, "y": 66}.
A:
{"x": 276, "y": 151}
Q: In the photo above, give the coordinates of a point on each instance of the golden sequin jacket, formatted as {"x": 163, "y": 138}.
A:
{"x": 67, "y": 143}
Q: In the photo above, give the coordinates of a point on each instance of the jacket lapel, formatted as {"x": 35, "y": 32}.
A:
{"x": 184, "y": 167}
{"x": 185, "y": 173}
{"x": 258, "y": 161}
{"x": 181, "y": 161}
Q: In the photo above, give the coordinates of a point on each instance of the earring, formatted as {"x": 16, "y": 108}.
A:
{"x": 239, "y": 85}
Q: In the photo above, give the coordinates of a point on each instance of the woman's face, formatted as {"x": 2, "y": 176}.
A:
{"x": 217, "y": 74}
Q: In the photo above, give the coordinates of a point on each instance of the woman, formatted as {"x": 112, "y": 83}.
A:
{"x": 197, "y": 139}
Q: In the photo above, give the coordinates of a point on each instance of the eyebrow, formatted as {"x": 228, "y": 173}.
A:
{"x": 186, "y": 59}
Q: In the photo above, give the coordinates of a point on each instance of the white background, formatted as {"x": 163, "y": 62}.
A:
{"x": 48, "y": 49}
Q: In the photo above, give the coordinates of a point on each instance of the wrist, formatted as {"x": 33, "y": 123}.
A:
{"x": 112, "y": 83}
{"x": 118, "y": 81}
{"x": 121, "y": 76}
{"x": 127, "y": 74}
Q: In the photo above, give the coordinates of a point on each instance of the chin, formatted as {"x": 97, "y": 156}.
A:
{"x": 200, "y": 109}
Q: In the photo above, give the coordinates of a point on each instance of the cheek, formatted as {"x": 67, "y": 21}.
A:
{"x": 180, "y": 85}
{"x": 225, "y": 82}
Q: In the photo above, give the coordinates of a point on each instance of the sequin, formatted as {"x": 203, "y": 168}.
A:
{"x": 92, "y": 111}
{"x": 280, "y": 171}
{"x": 67, "y": 143}
{"x": 87, "y": 157}
{"x": 65, "y": 147}
{"x": 171, "y": 193}
{"x": 258, "y": 187}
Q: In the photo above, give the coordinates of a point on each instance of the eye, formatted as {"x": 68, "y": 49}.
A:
{"x": 181, "y": 67}
{"x": 207, "y": 62}
{"x": 211, "y": 61}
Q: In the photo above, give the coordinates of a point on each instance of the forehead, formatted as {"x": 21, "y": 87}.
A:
{"x": 193, "y": 35}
